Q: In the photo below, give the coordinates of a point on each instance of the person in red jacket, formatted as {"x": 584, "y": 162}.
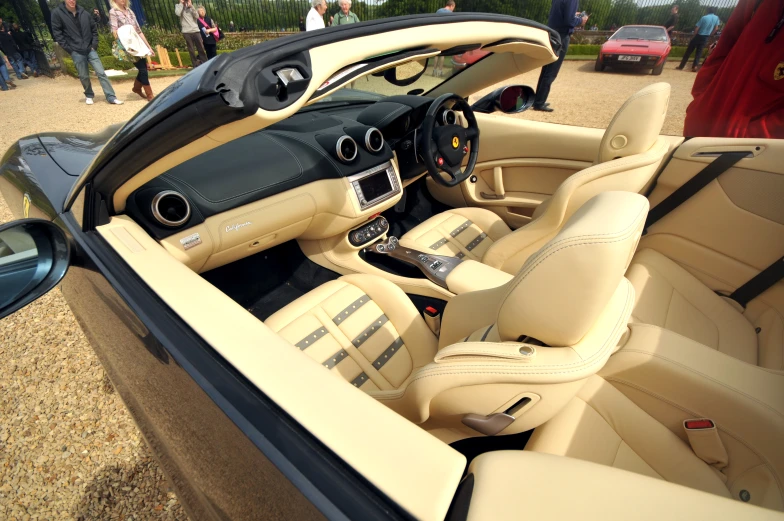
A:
{"x": 739, "y": 92}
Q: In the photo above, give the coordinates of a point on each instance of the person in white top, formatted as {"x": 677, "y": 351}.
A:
{"x": 315, "y": 19}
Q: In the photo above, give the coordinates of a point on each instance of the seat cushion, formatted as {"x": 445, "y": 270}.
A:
{"x": 459, "y": 232}
{"x": 362, "y": 327}
{"x": 603, "y": 426}
{"x": 670, "y": 297}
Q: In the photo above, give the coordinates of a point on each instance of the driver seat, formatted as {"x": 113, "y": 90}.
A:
{"x": 629, "y": 155}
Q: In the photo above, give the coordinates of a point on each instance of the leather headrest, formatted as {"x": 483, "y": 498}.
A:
{"x": 637, "y": 124}
{"x": 562, "y": 288}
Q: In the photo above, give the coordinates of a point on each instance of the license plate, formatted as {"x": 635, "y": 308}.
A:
{"x": 629, "y": 58}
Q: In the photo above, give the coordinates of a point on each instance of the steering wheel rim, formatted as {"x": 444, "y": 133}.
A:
{"x": 449, "y": 143}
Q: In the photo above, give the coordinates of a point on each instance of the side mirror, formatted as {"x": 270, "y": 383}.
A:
{"x": 34, "y": 257}
{"x": 511, "y": 99}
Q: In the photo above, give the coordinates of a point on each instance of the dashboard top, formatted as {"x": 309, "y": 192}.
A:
{"x": 306, "y": 147}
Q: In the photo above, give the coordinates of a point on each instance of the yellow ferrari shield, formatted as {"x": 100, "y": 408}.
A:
{"x": 455, "y": 142}
{"x": 778, "y": 74}
{"x": 26, "y": 205}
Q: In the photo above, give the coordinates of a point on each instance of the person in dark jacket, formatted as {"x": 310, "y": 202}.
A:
{"x": 563, "y": 18}
{"x": 26, "y": 46}
{"x": 74, "y": 30}
{"x": 672, "y": 21}
{"x": 210, "y": 34}
{"x": 9, "y": 48}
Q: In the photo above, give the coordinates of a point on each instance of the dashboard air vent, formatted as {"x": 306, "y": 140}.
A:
{"x": 374, "y": 140}
{"x": 171, "y": 208}
{"x": 346, "y": 149}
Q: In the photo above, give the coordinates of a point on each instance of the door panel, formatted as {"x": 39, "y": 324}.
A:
{"x": 734, "y": 227}
{"x": 534, "y": 159}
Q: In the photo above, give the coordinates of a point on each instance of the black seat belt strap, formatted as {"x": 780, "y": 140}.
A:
{"x": 761, "y": 282}
{"x": 721, "y": 164}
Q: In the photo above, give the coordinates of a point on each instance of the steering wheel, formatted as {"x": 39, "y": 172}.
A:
{"x": 444, "y": 147}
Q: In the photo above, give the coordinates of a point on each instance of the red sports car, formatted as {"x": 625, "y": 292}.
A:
{"x": 461, "y": 61}
{"x": 645, "y": 46}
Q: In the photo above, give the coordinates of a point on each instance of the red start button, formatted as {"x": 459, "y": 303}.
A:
{"x": 440, "y": 161}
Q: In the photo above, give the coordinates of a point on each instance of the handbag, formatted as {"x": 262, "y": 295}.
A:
{"x": 119, "y": 52}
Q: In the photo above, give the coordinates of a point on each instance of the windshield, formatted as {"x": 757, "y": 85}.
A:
{"x": 414, "y": 77}
{"x": 656, "y": 34}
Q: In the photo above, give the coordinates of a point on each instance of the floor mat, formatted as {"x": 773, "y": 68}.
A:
{"x": 419, "y": 207}
{"x": 268, "y": 281}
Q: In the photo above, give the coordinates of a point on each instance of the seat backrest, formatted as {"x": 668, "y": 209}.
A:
{"x": 630, "y": 154}
{"x": 561, "y": 290}
{"x": 637, "y": 124}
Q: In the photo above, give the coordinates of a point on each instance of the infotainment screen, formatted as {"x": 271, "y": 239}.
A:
{"x": 375, "y": 186}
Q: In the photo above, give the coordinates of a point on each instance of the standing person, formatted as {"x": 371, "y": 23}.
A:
{"x": 9, "y": 48}
{"x": 315, "y": 18}
{"x": 76, "y": 32}
{"x": 739, "y": 91}
{"x": 564, "y": 17}
{"x": 190, "y": 31}
{"x": 120, "y": 15}
{"x": 706, "y": 26}
{"x": 209, "y": 33}
{"x": 438, "y": 69}
{"x": 672, "y": 21}
{"x": 5, "y": 79}
{"x": 345, "y": 16}
{"x": 302, "y": 27}
{"x": 26, "y": 46}
{"x": 231, "y": 26}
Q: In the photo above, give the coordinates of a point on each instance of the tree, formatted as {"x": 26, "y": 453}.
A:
{"x": 623, "y": 12}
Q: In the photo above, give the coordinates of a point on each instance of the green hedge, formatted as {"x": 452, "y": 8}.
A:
{"x": 593, "y": 50}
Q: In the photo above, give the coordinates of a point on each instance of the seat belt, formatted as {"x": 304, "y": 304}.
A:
{"x": 718, "y": 166}
{"x": 760, "y": 283}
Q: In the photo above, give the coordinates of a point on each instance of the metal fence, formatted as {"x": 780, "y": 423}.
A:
{"x": 284, "y": 15}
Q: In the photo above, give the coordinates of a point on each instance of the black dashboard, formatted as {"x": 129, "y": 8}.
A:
{"x": 334, "y": 141}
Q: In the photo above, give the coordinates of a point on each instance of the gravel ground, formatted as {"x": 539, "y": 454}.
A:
{"x": 586, "y": 98}
{"x": 68, "y": 447}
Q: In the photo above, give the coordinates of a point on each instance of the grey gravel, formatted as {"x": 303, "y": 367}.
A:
{"x": 68, "y": 447}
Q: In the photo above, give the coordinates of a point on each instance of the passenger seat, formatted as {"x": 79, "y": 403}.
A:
{"x": 670, "y": 297}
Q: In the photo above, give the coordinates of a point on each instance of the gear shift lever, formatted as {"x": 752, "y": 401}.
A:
{"x": 435, "y": 267}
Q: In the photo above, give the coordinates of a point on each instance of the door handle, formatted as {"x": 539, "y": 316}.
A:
{"x": 498, "y": 183}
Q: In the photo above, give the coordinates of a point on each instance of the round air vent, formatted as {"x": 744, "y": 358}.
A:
{"x": 171, "y": 208}
{"x": 346, "y": 149}
{"x": 374, "y": 140}
{"x": 449, "y": 117}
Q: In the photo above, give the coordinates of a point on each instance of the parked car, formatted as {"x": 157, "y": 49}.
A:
{"x": 463, "y": 60}
{"x": 232, "y": 255}
{"x": 636, "y": 46}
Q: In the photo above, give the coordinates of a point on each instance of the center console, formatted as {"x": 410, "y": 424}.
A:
{"x": 375, "y": 185}
{"x": 435, "y": 267}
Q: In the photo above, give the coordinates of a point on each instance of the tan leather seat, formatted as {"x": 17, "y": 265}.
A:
{"x": 670, "y": 297}
{"x": 571, "y": 295}
{"x": 603, "y": 426}
{"x": 629, "y": 155}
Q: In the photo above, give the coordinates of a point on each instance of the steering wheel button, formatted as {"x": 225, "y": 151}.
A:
{"x": 440, "y": 161}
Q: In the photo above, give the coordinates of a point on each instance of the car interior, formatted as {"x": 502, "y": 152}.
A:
{"x": 470, "y": 308}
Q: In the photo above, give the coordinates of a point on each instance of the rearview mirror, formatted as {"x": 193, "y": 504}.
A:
{"x": 34, "y": 257}
{"x": 406, "y": 73}
{"x": 511, "y": 99}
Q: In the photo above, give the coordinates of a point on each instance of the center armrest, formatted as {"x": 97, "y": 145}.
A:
{"x": 470, "y": 275}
